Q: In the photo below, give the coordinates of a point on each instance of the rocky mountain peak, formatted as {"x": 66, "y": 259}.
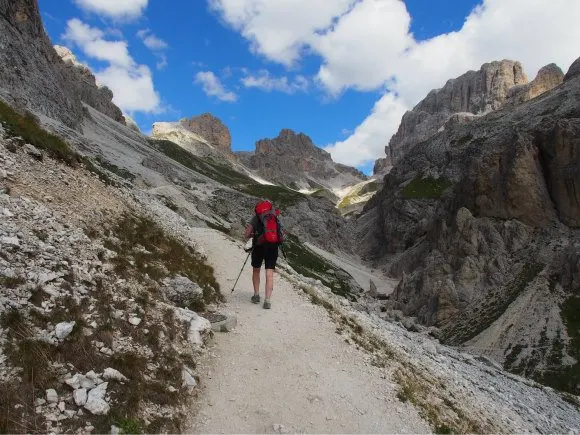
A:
{"x": 548, "y": 78}
{"x": 211, "y": 129}
{"x": 475, "y": 92}
{"x": 293, "y": 159}
{"x": 290, "y": 141}
{"x": 573, "y": 71}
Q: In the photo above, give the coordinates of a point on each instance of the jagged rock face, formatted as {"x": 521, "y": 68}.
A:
{"x": 32, "y": 73}
{"x": 474, "y": 92}
{"x": 211, "y": 129}
{"x": 86, "y": 86}
{"x": 382, "y": 166}
{"x": 293, "y": 159}
{"x": 573, "y": 71}
{"x": 548, "y": 78}
{"x": 483, "y": 215}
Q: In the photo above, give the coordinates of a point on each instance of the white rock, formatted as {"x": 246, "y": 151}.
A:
{"x": 115, "y": 430}
{"x": 96, "y": 400}
{"x": 134, "y": 321}
{"x": 10, "y": 241}
{"x": 430, "y": 347}
{"x": 7, "y": 213}
{"x": 199, "y": 327}
{"x": 111, "y": 374}
{"x": 63, "y": 329}
{"x": 188, "y": 378}
{"x": 51, "y": 396}
{"x": 61, "y": 406}
{"x": 74, "y": 382}
{"x": 80, "y": 396}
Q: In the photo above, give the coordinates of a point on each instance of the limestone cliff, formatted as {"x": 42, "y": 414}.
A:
{"x": 482, "y": 221}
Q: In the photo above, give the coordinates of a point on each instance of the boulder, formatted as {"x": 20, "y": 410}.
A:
{"x": 96, "y": 403}
{"x": 182, "y": 292}
{"x": 63, "y": 329}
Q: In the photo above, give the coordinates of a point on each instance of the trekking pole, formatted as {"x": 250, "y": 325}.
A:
{"x": 249, "y": 252}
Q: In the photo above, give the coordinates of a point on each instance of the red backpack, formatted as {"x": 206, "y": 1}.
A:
{"x": 271, "y": 231}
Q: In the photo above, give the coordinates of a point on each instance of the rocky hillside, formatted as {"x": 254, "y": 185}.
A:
{"x": 481, "y": 221}
{"x": 495, "y": 85}
{"x": 37, "y": 78}
{"x": 293, "y": 160}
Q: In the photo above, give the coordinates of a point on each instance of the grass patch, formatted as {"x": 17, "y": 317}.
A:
{"x": 307, "y": 263}
{"x": 12, "y": 281}
{"x": 279, "y": 195}
{"x": 361, "y": 190}
{"x": 226, "y": 175}
{"x": 426, "y": 188}
{"x": 443, "y": 415}
{"x": 160, "y": 256}
{"x": 130, "y": 426}
{"x": 209, "y": 167}
{"x": 121, "y": 172}
{"x": 27, "y": 127}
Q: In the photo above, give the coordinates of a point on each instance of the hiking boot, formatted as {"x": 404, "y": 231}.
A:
{"x": 267, "y": 305}
{"x": 255, "y": 299}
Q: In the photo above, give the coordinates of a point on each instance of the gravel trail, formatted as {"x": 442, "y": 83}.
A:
{"x": 286, "y": 369}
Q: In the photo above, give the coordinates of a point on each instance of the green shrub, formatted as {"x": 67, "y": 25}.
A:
{"x": 26, "y": 126}
{"x": 308, "y": 263}
{"x": 163, "y": 256}
{"x": 426, "y": 188}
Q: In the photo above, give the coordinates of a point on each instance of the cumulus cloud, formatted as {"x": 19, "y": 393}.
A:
{"x": 265, "y": 81}
{"x": 279, "y": 29}
{"x": 367, "y": 142}
{"x": 118, "y": 9}
{"x": 156, "y": 45}
{"x": 367, "y": 45}
{"x": 213, "y": 87}
{"x": 131, "y": 83}
{"x": 151, "y": 41}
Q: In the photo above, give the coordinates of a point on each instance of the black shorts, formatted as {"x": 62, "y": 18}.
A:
{"x": 265, "y": 253}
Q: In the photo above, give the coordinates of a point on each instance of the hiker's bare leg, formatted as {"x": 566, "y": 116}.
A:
{"x": 256, "y": 280}
{"x": 269, "y": 283}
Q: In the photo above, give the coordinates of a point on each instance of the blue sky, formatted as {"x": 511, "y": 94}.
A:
{"x": 316, "y": 66}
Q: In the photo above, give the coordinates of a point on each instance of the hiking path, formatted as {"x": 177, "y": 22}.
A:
{"x": 286, "y": 370}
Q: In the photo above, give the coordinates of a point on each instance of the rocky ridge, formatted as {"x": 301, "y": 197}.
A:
{"x": 37, "y": 77}
{"x": 293, "y": 160}
{"x": 494, "y": 86}
{"x": 86, "y": 87}
{"x": 481, "y": 223}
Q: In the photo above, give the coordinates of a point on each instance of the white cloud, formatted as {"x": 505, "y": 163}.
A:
{"x": 161, "y": 62}
{"x": 156, "y": 45}
{"x": 264, "y": 81}
{"x": 368, "y": 140}
{"x": 367, "y": 45}
{"x": 131, "y": 83}
{"x": 212, "y": 86}
{"x": 118, "y": 9}
{"x": 133, "y": 88}
{"x": 151, "y": 41}
{"x": 279, "y": 29}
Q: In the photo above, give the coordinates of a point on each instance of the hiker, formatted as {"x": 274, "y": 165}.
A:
{"x": 266, "y": 233}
